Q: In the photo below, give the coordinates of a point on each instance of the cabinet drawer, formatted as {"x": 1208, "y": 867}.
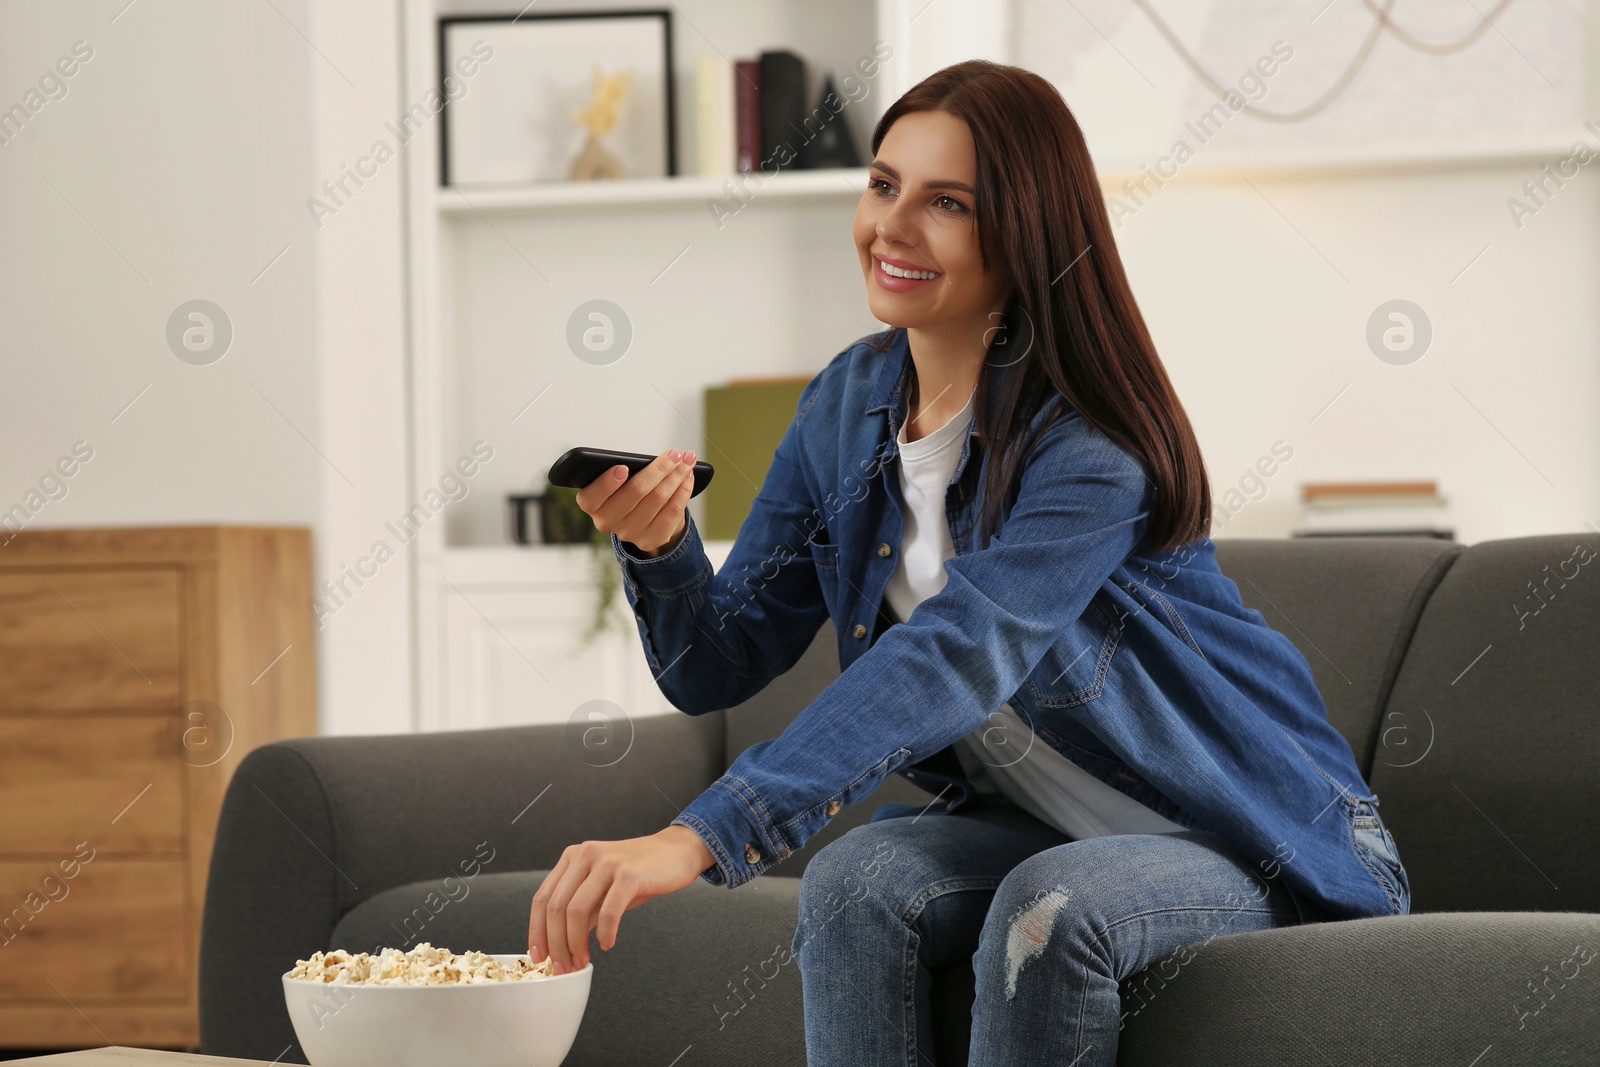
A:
{"x": 64, "y": 778}
{"x": 115, "y": 929}
{"x": 90, "y": 638}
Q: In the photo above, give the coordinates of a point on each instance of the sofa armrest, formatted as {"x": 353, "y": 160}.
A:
{"x": 311, "y": 827}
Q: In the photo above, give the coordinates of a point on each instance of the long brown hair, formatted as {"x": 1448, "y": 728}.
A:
{"x": 1041, "y": 216}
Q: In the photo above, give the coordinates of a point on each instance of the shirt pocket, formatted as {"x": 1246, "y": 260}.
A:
{"x": 825, "y": 555}
{"x": 1073, "y": 670}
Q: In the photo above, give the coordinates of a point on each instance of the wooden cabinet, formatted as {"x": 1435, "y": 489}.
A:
{"x": 137, "y": 667}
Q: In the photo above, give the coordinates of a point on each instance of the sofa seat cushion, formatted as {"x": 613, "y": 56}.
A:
{"x": 709, "y": 970}
{"x": 1408, "y": 989}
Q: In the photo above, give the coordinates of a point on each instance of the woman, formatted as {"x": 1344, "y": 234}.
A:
{"x": 1001, "y": 504}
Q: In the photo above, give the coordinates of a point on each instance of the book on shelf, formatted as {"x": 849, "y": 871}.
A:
{"x": 782, "y": 98}
{"x": 714, "y": 116}
{"x": 753, "y": 117}
{"x": 1374, "y": 509}
{"x": 747, "y": 98}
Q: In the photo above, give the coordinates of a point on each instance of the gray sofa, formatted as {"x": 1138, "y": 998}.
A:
{"x": 1466, "y": 678}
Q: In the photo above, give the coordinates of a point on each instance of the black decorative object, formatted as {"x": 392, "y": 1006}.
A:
{"x": 833, "y": 145}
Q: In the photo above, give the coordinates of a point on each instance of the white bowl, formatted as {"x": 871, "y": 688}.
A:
{"x": 526, "y": 1023}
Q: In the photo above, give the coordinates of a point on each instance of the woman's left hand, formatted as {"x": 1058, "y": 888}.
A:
{"x": 596, "y": 881}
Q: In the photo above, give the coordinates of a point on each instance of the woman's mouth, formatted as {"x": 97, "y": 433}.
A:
{"x": 897, "y": 278}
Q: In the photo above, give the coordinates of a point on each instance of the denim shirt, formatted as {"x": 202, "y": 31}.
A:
{"x": 1145, "y": 669}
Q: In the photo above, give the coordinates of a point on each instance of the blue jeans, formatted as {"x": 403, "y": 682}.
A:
{"x": 1052, "y": 926}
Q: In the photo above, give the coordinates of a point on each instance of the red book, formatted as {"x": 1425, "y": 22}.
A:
{"x": 747, "y": 99}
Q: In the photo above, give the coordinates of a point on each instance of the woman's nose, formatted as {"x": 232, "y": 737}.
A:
{"x": 896, "y": 224}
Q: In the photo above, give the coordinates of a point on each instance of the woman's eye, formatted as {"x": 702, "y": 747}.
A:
{"x": 945, "y": 202}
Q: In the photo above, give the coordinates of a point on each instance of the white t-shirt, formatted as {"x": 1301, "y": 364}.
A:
{"x": 1015, "y": 761}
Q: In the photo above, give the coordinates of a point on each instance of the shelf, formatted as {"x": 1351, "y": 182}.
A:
{"x": 848, "y": 183}
{"x": 832, "y": 183}
{"x": 520, "y": 565}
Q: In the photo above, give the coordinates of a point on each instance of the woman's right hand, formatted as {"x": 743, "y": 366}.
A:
{"x": 646, "y": 510}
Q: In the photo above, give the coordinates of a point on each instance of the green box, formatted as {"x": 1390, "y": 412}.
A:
{"x": 744, "y": 421}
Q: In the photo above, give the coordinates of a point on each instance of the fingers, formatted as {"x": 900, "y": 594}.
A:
{"x": 616, "y": 902}
{"x": 592, "y": 886}
{"x": 580, "y": 916}
{"x": 562, "y": 883}
{"x": 593, "y": 495}
{"x": 665, "y": 525}
{"x": 647, "y": 491}
{"x": 657, "y": 503}
{"x": 538, "y": 939}
{"x": 556, "y": 923}
{"x": 570, "y": 914}
{"x": 600, "y": 497}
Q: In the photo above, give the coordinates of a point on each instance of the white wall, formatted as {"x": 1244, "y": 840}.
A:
{"x": 178, "y": 166}
{"x": 1258, "y": 296}
{"x": 173, "y": 169}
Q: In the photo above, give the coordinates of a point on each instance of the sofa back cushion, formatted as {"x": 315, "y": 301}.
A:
{"x": 1349, "y": 604}
{"x": 1489, "y": 771}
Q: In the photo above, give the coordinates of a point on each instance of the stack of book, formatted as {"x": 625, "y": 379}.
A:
{"x": 754, "y": 116}
{"x": 1374, "y": 509}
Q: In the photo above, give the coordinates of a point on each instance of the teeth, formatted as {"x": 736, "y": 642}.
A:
{"x": 919, "y": 275}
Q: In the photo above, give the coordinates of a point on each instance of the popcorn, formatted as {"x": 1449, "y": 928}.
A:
{"x": 423, "y": 965}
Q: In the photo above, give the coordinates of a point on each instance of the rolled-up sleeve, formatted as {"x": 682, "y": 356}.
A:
{"x": 1080, "y": 512}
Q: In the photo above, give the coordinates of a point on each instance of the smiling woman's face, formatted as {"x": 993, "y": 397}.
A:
{"x": 918, "y": 214}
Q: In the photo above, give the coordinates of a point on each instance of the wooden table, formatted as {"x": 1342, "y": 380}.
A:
{"x": 118, "y": 1056}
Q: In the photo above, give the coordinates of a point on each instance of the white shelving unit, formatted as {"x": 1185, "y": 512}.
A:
{"x": 493, "y": 273}
{"x": 832, "y": 184}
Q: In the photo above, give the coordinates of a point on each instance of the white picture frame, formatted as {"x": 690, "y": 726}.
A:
{"x": 510, "y": 122}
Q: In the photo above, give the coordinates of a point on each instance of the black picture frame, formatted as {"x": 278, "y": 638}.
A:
{"x": 664, "y": 14}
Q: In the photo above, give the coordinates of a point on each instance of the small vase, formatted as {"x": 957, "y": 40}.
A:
{"x": 594, "y": 162}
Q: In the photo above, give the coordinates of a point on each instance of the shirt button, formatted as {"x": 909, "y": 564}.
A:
{"x": 859, "y": 631}
{"x": 884, "y": 549}
{"x": 751, "y": 854}
{"x": 832, "y": 808}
